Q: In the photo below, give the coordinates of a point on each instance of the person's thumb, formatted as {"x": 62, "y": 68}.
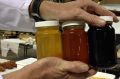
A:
{"x": 73, "y": 67}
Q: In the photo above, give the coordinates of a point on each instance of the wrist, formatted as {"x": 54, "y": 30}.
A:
{"x": 50, "y": 10}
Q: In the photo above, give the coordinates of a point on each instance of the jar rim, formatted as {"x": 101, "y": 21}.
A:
{"x": 70, "y": 23}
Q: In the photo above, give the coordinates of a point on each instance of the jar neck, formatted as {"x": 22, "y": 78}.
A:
{"x": 48, "y": 28}
{"x": 74, "y": 27}
{"x": 108, "y": 24}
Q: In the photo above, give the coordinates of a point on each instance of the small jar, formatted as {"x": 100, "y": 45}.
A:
{"x": 74, "y": 41}
{"x": 48, "y": 39}
{"x": 102, "y": 45}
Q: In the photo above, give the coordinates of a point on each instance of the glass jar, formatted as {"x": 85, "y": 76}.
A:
{"x": 102, "y": 44}
{"x": 74, "y": 41}
{"x": 48, "y": 39}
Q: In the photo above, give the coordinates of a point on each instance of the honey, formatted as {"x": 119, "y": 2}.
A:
{"x": 48, "y": 39}
{"x": 102, "y": 45}
{"x": 75, "y": 42}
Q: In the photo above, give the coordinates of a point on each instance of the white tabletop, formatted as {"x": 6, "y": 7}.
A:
{"x": 13, "y": 40}
{"x": 20, "y": 64}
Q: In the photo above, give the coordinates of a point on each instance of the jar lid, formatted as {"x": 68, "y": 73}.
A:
{"x": 70, "y": 23}
{"x": 107, "y": 18}
{"x": 47, "y": 23}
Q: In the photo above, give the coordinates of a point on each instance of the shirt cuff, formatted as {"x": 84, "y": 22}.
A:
{"x": 25, "y": 7}
{"x": 1, "y": 77}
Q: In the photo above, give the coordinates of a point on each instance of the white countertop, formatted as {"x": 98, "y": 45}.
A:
{"x": 20, "y": 64}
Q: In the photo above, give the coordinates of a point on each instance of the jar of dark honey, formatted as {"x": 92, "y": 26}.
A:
{"x": 102, "y": 45}
{"x": 74, "y": 41}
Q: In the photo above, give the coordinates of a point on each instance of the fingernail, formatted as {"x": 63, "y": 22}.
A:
{"x": 92, "y": 72}
{"x": 91, "y": 67}
{"x": 116, "y": 20}
{"x": 84, "y": 68}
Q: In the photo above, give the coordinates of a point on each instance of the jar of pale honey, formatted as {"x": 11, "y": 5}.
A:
{"x": 48, "y": 39}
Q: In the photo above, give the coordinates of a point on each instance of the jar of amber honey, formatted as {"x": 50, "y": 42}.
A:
{"x": 48, "y": 39}
{"x": 74, "y": 41}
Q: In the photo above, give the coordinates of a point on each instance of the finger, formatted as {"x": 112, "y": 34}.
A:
{"x": 73, "y": 67}
{"x": 78, "y": 75}
{"x": 83, "y": 75}
{"x": 91, "y": 72}
{"x": 91, "y": 19}
{"x": 102, "y": 11}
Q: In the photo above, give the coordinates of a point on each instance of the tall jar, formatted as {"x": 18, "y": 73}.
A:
{"x": 102, "y": 44}
{"x": 48, "y": 39}
{"x": 74, "y": 41}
